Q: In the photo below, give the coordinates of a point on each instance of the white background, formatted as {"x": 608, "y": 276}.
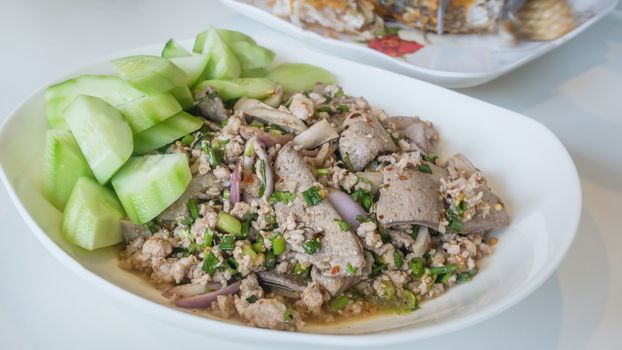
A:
{"x": 576, "y": 91}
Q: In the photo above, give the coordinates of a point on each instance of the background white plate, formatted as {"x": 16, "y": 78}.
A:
{"x": 526, "y": 165}
{"x": 458, "y": 61}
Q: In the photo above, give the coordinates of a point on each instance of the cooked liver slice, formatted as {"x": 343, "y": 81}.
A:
{"x": 363, "y": 139}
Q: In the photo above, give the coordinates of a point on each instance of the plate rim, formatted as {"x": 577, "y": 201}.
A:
{"x": 178, "y": 318}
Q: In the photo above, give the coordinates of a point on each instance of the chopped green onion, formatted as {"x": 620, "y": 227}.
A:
{"x": 262, "y": 170}
{"x": 227, "y": 243}
{"x": 463, "y": 206}
{"x": 322, "y": 172}
{"x": 389, "y": 290}
{"x": 324, "y": 108}
{"x": 455, "y": 224}
{"x": 208, "y": 238}
{"x": 379, "y": 265}
{"x": 187, "y": 221}
{"x": 416, "y": 267}
{"x": 246, "y": 225}
{"x": 347, "y": 162}
{"x": 278, "y": 243}
{"x": 351, "y": 270}
{"x": 442, "y": 278}
{"x": 288, "y": 315}
{"x": 365, "y": 198}
{"x": 312, "y": 246}
{"x": 424, "y": 168}
{"x": 271, "y": 219}
{"x": 414, "y": 231}
{"x": 258, "y": 244}
{"x": 410, "y": 300}
{"x": 466, "y": 276}
{"x": 252, "y": 299}
{"x": 443, "y": 269}
{"x": 274, "y": 129}
{"x": 281, "y": 196}
{"x": 399, "y": 261}
{"x": 209, "y": 264}
{"x": 226, "y": 194}
{"x": 228, "y": 223}
{"x": 250, "y": 148}
{"x": 430, "y": 157}
{"x": 193, "y": 208}
{"x": 301, "y": 272}
{"x": 187, "y": 140}
{"x": 224, "y": 123}
{"x": 343, "y": 225}
{"x": 312, "y": 196}
{"x": 214, "y": 156}
{"x": 339, "y": 303}
{"x": 343, "y": 108}
{"x": 270, "y": 260}
{"x": 256, "y": 124}
{"x": 361, "y": 218}
{"x": 231, "y": 265}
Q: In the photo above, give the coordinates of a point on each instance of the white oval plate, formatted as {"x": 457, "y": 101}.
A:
{"x": 524, "y": 162}
{"x": 454, "y": 61}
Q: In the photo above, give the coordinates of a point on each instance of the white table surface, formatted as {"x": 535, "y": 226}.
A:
{"x": 575, "y": 90}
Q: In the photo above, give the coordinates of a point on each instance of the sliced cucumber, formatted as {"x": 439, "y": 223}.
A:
{"x": 183, "y": 96}
{"x": 104, "y": 136}
{"x": 92, "y": 217}
{"x": 300, "y": 76}
{"x": 222, "y": 63}
{"x": 151, "y": 74}
{"x": 257, "y": 88}
{"x": 109, "y": 88}
{"x": 147, "y": 185}
{"x": 193, "y": 66}
{"x": 173, "y": 49}
{"x": 254, "y": 73}
{"x": 231, "y": 36}
{"x": 148, "y": 111}
{"x": 63, "y": 164}
{"x": 252, "y": 55}
{"x": 166, "y": 132}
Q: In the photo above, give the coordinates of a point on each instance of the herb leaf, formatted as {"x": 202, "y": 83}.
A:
{"x": 281, "y": 196}
{"x": 312, "y": 196}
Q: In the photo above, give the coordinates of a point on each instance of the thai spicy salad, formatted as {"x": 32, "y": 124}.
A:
{"x": 263, "y": 194}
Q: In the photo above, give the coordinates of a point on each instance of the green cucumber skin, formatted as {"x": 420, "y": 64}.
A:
{"x": 183, "y": 96}
{"x": 147, "y": 185}
{"x": 257, "y": 88}
{"x": 63, "y": 165}
{"x": 173, "y": 49}
{"x": 299, "y": 76}
{"x": 152, "y": 75}
{"x": 107, "y": 87}
{"x": 223, "y": 64}
{"x": 103, "y": 134}
{"x": 166, "y": 132}
{"x": 147, "y": 111}
{"x": 232, "y": 36}
{"x": 254, "y": 73}
{"x": 193, "y": 66}
{"x": 92, "y": 217}
{"x": 252, "y": 56}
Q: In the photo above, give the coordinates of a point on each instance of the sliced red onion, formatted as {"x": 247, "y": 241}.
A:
{"x": 205, "y": 300}
{"x": 268, "y": 139}
{"x": 422, "y": 242}
{"x": 319, "y": 133}
{"x": 347, "y": 207}
{"x": 191, "y": 289}
{"x": 248, "y": 157}
{"x": 269, "y": 180}
{"x": 236, "y": 178}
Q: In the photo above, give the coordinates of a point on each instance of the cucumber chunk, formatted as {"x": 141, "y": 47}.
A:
{"x": 104, "y": 136}
{"x": 151, "y": 74}
{"x": 257, "y": 88}
{"x": 166, "y": 132}
{"x": 92, "y": 217}
{"x": 63, "y": 165}
{"x": 193, "y": 66}
{"x": 148, "y": 111}
{"x": 299, "y": 76}
{"x": 107, "y": 87}
{"x": 147, "y": 185}
{"x": 231, "y": 36}
{"x": 254, "y": 73}
{"x": 183, "y": 96}
{"x": 222, "y": 63}
{"x": 252, "y": 55}
{"x": 173, "y": 49}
